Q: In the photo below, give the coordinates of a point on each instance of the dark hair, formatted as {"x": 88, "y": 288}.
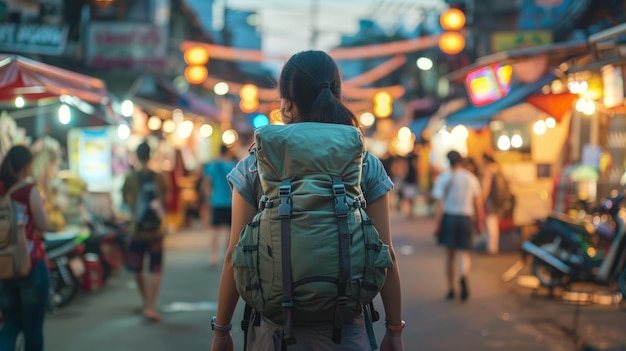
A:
{"x": 454, "y": 157}
{"x": 223, "y": 149}
{"x": 143, "y": 152}
{"x": 311, "y": 80}
{"x": 14, "y": 162}
{"x": 487, "y": 158}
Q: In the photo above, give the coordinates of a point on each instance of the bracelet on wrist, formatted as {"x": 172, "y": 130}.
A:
{"x": 222, "y": 328}
{"x": 395, "y": 327}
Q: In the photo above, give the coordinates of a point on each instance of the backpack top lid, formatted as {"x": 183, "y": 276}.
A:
{"x": 309, "y": 148}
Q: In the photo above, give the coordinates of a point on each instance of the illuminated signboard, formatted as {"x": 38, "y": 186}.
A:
{"x": 489, "y": 84}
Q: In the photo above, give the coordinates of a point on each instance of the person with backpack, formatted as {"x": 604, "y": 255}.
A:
{"x": 498, "y": 199}
{"x": 219, "y": 194}
{"x": 310, "y": 244}
{"x": 24, "y": 291}
{"x": 145, "y": 192}
{"x": 459, "y": 199}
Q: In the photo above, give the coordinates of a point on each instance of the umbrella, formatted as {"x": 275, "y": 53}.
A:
{"x": 33, "y": 80}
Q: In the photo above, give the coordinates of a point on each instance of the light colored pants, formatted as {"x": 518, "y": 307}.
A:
{"x": 492, "y": 225}
{"x": 268, "y": 337}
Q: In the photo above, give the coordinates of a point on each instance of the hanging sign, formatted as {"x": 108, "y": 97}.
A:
{"x": 488, "y": 84}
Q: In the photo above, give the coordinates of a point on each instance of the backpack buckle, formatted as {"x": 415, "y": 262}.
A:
{"x": 263, "y": 201}
{"x": 341, "y": 204}
{"x": 284, "y": 192}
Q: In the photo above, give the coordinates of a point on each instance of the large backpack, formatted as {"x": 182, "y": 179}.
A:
{"x": 310, "y": 255}
{"x": 504, "y": 200}
{"x": 148, "y": 208}
{"x": 14, "y": 253}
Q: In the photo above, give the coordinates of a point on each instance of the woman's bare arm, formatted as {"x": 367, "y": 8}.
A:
{"x": 37, "y": 210}
{"x": 391, "y": 293}
{"x": 242, "y": 214}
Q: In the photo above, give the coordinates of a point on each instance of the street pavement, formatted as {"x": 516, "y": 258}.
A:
{"x": 498, "y": 315}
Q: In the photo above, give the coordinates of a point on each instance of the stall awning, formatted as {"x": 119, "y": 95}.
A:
{"x": 556, "y": 53}
{"x": 33, "y": 80}
{"x": 478, "y": 117}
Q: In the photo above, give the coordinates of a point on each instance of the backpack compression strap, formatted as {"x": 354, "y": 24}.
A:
{"x": 284, "y": 212}
{"x": 341, "y": 210}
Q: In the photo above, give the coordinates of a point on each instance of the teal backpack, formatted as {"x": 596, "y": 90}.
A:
{"x": 310, "y": 255}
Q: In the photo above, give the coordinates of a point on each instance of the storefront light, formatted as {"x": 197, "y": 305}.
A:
{"x": 177, "y": 116}
{"x": 424, "y": 63}
{"x": 404, "y": 134}
{"x": 460, "y": 132}
{"x": 19, "y": 102}
{"x": 539, "y": 127}
{"x": 367, "y": 119}
{"x": 504, "y": 143}
{"x": 123, "y": 131}
{"x": 65, "y": 114}
{"x": 221, "y": 88}
{"x": 590, "y": 108}
{"x": 169, "y": 126}
{"x": 154, "y": 123}
{"x": 517, "y": 141}
{"x": 230, "y": 137}
{"x": 127, "y": 108}
{"x": 185, "y": 129}
{"x": 550, "y": 122}
{"x": 446, "y": 138}
{"x": 206, "y": 130}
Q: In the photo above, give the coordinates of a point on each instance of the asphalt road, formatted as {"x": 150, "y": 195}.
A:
{"x": 498, "y": 316}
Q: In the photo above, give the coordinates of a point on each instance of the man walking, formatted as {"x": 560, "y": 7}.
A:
{"x": 218, "y": 191}
{"x": 145, "y": 192}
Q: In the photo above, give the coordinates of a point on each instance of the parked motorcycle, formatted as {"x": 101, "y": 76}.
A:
{"x": 64, "y": 251}
{"x": 565, "y": 251}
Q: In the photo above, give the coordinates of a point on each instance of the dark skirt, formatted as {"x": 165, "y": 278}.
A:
{"x": 456, "y": 232}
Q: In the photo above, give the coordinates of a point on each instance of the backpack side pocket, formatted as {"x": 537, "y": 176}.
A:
{"x": 245, "y": 265}
{"x": 377, "y": 262}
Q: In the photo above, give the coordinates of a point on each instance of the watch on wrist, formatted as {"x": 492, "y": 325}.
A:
{"x": 222, "y": 328}
{"x": 395, "y": 327}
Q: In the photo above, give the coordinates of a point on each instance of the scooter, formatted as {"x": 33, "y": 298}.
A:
{"x": 565, "y": 251}
{"x": 64, "y": 251}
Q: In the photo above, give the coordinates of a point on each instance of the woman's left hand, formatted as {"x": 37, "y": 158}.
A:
{"x": 392, "y": 341}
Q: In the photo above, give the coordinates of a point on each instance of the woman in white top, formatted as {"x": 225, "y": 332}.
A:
{"x": 459, "y": 199}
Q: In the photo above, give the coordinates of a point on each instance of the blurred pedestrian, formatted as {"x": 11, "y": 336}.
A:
{"x": 310, "y": 90}
{"x": 410, "y": 181}
{"x": 459, "y": 198}
{"x": 24, "y": 301}
{"x": 218, "y": 192}
{"x": 498, "y": 200}
{"x": 146, "y": 193}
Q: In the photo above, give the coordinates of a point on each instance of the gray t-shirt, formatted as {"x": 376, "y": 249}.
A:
{"x": 374, "y": 180}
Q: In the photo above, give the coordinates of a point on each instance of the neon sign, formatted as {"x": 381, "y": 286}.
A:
{"x": 489, "y": 84}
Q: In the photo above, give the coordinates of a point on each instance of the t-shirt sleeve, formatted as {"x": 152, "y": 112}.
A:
{"x": 440, "y": 184}
{"x": 243, "y": 177}
{"x": 375, "y": 182}
{"x": 476, "y": 186}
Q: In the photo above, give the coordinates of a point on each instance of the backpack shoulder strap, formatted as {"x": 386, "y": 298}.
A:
{"x": 17, "y": 186}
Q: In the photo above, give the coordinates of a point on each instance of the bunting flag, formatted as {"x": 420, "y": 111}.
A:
{"x": 352, "y": 53}
{"x": 348, "y": 91}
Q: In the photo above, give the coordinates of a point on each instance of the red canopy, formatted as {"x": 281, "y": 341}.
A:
{"x": 555, "y": 105}
{"x": 34, "y": 80}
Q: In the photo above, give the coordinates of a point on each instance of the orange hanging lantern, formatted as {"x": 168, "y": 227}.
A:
{"x": 452, "y": 19}
{"x": 196, "y": 74}
{"x": 451, "y": 43}
{"x": 196, "y": 56}
{"x": 249, "y": 106}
